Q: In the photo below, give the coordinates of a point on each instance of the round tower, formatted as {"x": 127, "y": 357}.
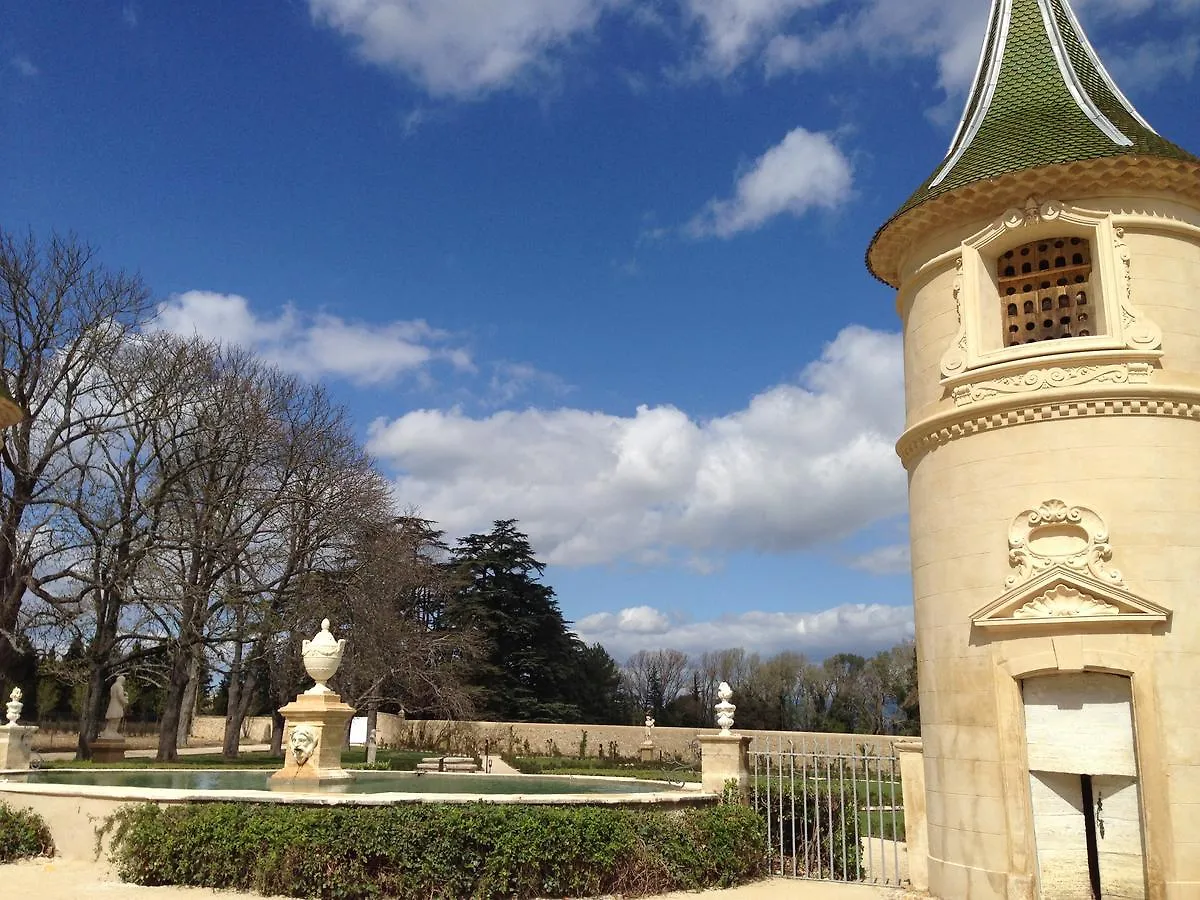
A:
{"x": 1048, "y": 278}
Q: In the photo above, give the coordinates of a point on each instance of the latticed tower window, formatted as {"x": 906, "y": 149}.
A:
{"x": 1046, "y": 291}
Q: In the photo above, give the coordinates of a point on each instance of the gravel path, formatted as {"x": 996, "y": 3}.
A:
{"x": 60, "y": 879}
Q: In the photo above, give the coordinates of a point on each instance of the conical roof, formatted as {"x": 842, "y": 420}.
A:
{"x": 1041, "y": 98}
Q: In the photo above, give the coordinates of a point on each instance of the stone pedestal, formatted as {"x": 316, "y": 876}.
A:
{"x": 314, "y": 734}
{"x": 16, "y": 746}
{"x": 725, "y": 758}
{"x": 916, "y": 824}
{"x": 108, "y": 749}
{"x": 648, "y": 752}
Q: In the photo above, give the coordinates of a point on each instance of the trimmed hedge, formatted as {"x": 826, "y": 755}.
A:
{"x": 438, "y": 852}
{"x": 23, "y": 834}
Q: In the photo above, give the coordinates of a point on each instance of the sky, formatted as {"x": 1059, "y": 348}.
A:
{"x": 595, "y": 265}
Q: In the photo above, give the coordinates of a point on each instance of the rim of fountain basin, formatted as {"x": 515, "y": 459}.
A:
{"x": 663, "y": 793}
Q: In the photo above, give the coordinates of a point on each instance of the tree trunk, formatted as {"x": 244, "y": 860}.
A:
{"x": 236, "y": 715}
{"x": 92, "y": 710}
{"x": 191, "y": 697}
{"x": 168, "y": 727}
{"x": 276, "y": 734}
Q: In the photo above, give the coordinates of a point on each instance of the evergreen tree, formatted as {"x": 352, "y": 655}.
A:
{"x": 530, "y": 666}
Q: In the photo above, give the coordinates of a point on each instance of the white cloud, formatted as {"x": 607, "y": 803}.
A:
{"x": 24, "y": 66}
{"x": 803, "y": 171}
{"x": 461, "y": 48}
{"x": 733, "y": 30}
{"x": 312, "y": 345}
{"x": 853, "y": 627}
{"x": 893, "y": 559}
{"x": 801, "y": 464}
{"x": 1149, "y": 65}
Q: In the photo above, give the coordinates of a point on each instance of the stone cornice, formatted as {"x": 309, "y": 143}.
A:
{"x": 1152, "y": 176}
{"x": 1043, "y": 405}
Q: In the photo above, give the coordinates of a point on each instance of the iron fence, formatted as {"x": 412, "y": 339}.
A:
{"x": 831, "y": 812}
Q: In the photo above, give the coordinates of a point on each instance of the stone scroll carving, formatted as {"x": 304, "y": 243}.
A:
{"x": 1059, "y": 535}
{"x": 1053, "y": 377}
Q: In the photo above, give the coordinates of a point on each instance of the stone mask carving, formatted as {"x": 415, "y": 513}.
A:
{"x": 302, "y": 743}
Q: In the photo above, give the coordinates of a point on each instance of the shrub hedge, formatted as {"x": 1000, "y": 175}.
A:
{"x": 23, "y": 834}
{"x": 439, "y": 852}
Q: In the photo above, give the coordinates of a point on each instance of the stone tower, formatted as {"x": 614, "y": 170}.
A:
{"x": 1048, "y": 278}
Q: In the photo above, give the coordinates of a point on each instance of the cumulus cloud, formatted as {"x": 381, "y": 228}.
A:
{"x": 464, "y": 49}
{"x": 801, "y": 464}
{"x": 460, "y": 48}
{"x": 859, "y": 627}
{"x": 312, "y": 345}
{"x": 893, "y": 559}
{"x": 803, "y": 171}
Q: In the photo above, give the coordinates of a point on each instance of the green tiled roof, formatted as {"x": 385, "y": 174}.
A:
{"x": 1041, "y": 98}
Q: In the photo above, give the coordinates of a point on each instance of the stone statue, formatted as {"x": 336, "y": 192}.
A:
{"x": 118, "y": 702}
{"x": 649, "y": 729}
{"x": 302, "y": 743}
{"x": 14, "y": 706}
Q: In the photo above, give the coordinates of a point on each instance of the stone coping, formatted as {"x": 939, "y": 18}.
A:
{"x": 666, "y": 794}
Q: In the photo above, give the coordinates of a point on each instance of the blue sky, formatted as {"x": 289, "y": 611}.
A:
{"x": 592, "y": 264}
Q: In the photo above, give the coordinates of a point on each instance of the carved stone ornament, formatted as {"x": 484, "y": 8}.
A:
{"x": 1053, "y": 377}
{"x": 1063, "y": 600}
{"x": 725, "y": 709}
{"x": 322, "y": 656}
{"x": 303, "y": 743}
{"x": 1033, "y": 213}
{"x": 1062, "y": 597}
{"x": 954, "y": 360}
{"x": 1140, "y": 332}
{"x": 1057, "y": 535}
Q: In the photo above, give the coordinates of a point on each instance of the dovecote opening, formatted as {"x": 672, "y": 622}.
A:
{"x": 1055, "y": 307}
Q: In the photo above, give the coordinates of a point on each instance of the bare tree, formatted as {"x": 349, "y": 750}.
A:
{"x": 62, "y": 314}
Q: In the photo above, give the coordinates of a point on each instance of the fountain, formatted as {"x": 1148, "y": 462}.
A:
{"x": 315, "y": 722}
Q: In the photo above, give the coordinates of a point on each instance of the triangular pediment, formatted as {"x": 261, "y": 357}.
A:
{"x": 1060, "y": 596}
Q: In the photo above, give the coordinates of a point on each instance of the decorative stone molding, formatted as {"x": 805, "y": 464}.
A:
{"x": 725, "y": 709}
{"x": 977, "y": 343}
{"x": 1053, "y": 377}
{"x": 1058, "y": 535}
{"x": 954, "y": 360}
{"x": 1032, "y": 213}
{"x": 1063, "y": 600}
{"x": 942, "y": 429}
{"x": 1140, "y": 332}
{"x": 888, "y": 257}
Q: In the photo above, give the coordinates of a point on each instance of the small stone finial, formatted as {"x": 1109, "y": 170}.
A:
{"x": 725, "y": 709}
{"x": 14, "y": 706}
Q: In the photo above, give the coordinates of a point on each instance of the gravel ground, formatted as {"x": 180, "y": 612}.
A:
{"x": 60, "y": 879}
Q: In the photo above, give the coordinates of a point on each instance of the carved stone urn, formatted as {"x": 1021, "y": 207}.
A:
{"x": 14, "y": 706}
{"x": 725, "y": 709}
{"x": 322, "y": 656}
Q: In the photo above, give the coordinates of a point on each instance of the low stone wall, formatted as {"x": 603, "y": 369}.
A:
{"x": 568, "y": 740}
{"x": 209, "y": 731}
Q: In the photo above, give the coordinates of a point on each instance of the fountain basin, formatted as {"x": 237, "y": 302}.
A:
{"x": 74, "y": 802}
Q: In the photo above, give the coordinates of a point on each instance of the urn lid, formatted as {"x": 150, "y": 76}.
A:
{"x": 324, "y": 638}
